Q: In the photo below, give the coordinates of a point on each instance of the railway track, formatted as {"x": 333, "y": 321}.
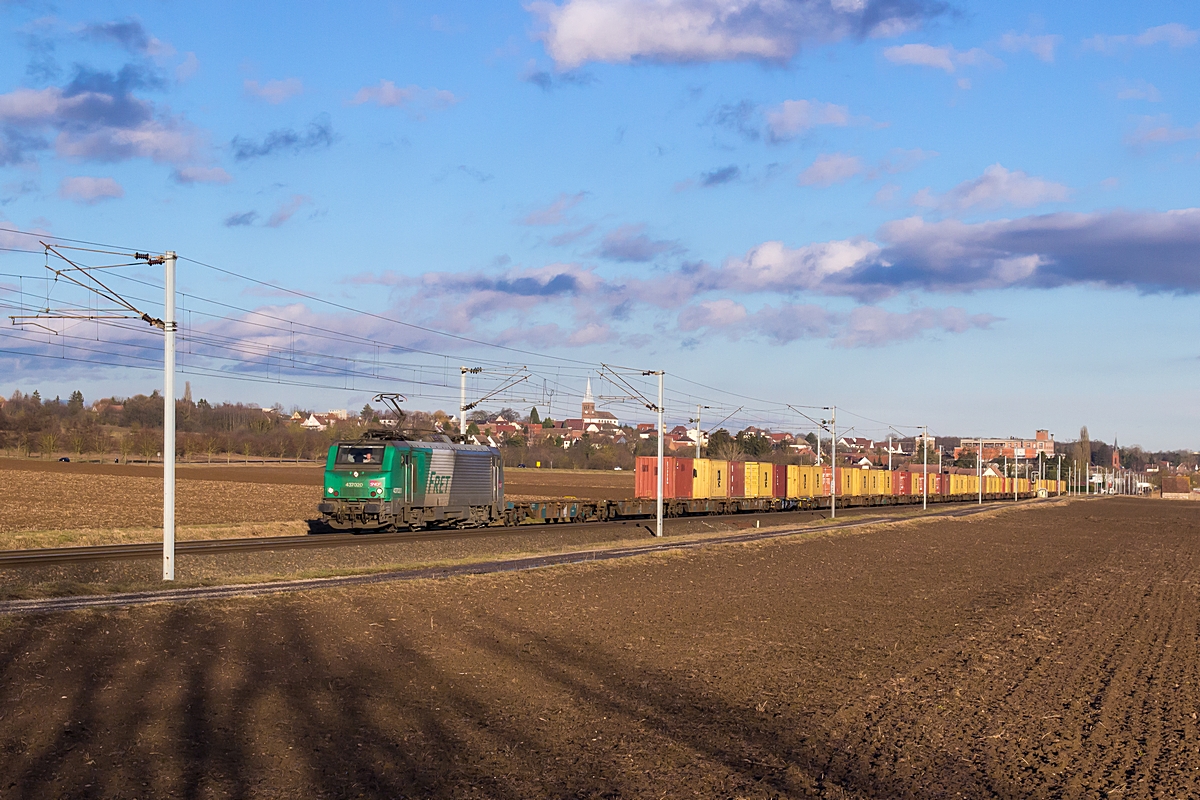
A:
{"x": 35, "y": 557}
{"x": 127, "y": 599}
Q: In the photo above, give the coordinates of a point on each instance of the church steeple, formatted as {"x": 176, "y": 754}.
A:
{"x": 589, "y": 403}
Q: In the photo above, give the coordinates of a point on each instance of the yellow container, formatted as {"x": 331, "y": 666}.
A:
{"x": 753, "y": 481}
{"x": 793, "y": 481}
{"x": 852, "y": 481}
{"x": 718, "y": 478}
{"x": 701, "y": 478}
{"x": 766, "y": 477}
{"x": 810, "y": 481}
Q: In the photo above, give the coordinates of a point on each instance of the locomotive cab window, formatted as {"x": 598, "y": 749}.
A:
{"x": 359, "y": 455}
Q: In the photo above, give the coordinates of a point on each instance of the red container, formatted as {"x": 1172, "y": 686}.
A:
{"x": 779, "y": 488}
{"x": 646, "y": 480}
{"x": 826, "y": 480}
{"x": 737, "y": 478}
{"x": 903, "y": 483}
{"x": 681, "y": 470}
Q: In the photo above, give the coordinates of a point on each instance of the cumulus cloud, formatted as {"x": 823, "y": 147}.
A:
{"x": 830, "y": 168}
{"x": 620, "y": 31}
{"x": 90, "y": 190}
{"x": 996, "y": 188}
{"x": 318, "y": 135}
{"x": 943, "y": 58}
{"x": 1041, "y": 46}
{"x": 631, "y": 243}
{"x": 273, "y": 92}
{"x": 555, "y": 213}
{"x": 413, "y": 98}
{"x": 1173, "y": 34}
{"x": 864, "y": 326}
{"x": 1148, "y": 251}
{"x": 791, "y": 118}
{"x": 98, "y": 117}
{"x": 287, "y": 209}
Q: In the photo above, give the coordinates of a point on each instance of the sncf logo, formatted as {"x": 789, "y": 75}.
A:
{"x": 438, "y": 484}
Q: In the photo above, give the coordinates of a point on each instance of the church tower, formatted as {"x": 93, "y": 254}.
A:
{"x": 589, "y": 403}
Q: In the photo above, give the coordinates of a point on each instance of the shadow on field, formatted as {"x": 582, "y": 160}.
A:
{"x": 195, "y": 703}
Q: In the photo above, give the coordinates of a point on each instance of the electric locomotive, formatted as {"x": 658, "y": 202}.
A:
{"x": 387, "y": 481}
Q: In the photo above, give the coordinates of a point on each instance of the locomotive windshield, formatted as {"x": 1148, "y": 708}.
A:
{"x": 359, "y": 454}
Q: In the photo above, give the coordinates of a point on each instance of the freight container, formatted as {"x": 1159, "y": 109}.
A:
{"x": 851, "y": 482}
{"x": 766, "y": 479}
{"x": 753, "y": 480}
{"x": 810, "y": 481}
{"x": 701, "y": 478}
{"x": 779, "y": 480}
{"x": 826, "y": 480}
{"x": 677, "y": 477}
{"x": 718, "y": 474}
{"x": 793, "y": 481}
{"x": 902, "y": 482}
{"x": 737, "y": 479}
{"x": 646, "y": 480}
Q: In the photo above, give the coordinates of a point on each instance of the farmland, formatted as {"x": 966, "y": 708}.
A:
{"x": 1048, "y": 650}
{"x": 109, "y": 499}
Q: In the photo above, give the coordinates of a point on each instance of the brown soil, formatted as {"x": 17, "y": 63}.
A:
{"x": 39, "y": 501}
{"x": 53, "y": 495}
{"x": 1044, "y": 652}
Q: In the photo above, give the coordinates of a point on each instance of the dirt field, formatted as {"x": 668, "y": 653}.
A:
{"x": 584, "y": 484}
{"x": 55, "y": 496}
{"x": 1040, "y": 652}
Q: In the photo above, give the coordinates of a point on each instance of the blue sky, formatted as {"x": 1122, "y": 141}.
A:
{"x": 980, "y": 217}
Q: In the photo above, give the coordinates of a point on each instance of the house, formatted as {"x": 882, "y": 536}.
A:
{"x": 856, "y": 443}
{"x": 313, "y": 424}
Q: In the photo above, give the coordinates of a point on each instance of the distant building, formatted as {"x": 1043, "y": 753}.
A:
{"x": 591, "y": 416}
{"x": 1041, "y": 444}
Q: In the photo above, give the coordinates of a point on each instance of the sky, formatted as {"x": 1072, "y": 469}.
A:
{"x": 980, "y": 217}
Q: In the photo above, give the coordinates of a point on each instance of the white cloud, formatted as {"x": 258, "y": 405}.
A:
{"x": 621, "y": 31}
{"x": 774, "y": 267}
{"x": 100, "y": 126}
{"x": 943, "y": 58}
{"x": 996, "y": 188}
{"x": 830, "y": 168}
{"x": 273, "y": 92}
{"x": 792, "y": 117}
{"x": 1041, "y": 46}
{"x": 90, "y": 190}
{"x": 1172, "y": 34}
{"x": 389, "y": 95}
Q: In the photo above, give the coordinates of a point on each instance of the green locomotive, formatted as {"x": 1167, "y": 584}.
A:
{"x": 388, "y": 482}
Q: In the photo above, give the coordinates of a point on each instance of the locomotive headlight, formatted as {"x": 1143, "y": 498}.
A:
{"x": 330, "y": 490}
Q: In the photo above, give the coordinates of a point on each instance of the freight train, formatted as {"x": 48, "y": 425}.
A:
{"x": 387, "y": 482}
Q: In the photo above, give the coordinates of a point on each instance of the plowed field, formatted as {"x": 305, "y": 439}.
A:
{"x": 1044, "y": 651}
{"x": 51, "y": 495}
